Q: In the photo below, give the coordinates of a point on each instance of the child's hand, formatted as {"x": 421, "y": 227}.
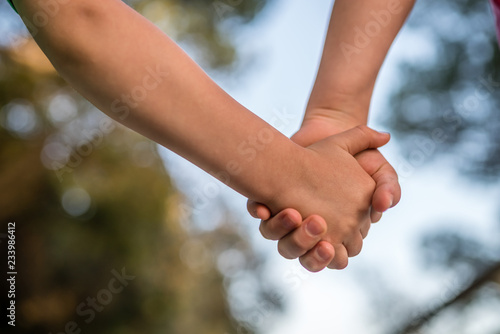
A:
{"x": 340, "y": 191}
{"x": 316, "y": 127}
{"x": 387, "y": 193}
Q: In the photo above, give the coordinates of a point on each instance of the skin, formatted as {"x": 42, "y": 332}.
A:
{"x": 137, "y": 75}
{"x": 340, "y": 99}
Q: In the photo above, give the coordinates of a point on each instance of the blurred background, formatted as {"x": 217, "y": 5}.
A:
{"x": 117, "y": 235}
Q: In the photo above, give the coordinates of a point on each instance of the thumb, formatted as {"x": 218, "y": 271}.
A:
{"x": 361, "y": 138}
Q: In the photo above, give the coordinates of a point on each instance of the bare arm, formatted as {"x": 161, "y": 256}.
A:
{"x": 136, "y": 74}
{"x": 133, "y": 72}
{"x": 359, "y": 36}
{"x": 358, "y": 39}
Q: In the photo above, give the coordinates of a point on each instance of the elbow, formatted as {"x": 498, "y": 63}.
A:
{"x": 63, "y": 29}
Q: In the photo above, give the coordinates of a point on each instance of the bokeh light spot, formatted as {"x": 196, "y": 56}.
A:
{"x": 76, "y": 201}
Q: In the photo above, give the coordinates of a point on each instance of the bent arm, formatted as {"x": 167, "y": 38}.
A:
{"x": 137, "y": 75}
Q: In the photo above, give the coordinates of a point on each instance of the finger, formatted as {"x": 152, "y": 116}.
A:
{"x": 319, "y": 257}
{"x": 303, "y": 238}
{"x": 364, "y": 230}
{"x": 354, "y": 245}
{"x": 258, "y": 210}
{"x": 361, "y": 138}
{"x": 314, "y": 130}
{"x": 341, "y": 260}
{"x": 375, "y": 216}
{"x": 387, "y": 191}
{"x": 280, "y": 225}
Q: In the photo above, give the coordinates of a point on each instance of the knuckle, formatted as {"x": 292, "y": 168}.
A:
{"x": 370, "y": 185}
{"x": 350, "y": 226}
{"x": 363, "y": 128}
{"x": 292, "y": 247}
{"x": 367, "y": 190}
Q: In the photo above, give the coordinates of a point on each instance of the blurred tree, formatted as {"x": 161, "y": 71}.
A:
{"x": 446, "y": 105}
{"x": 99, "y": 238}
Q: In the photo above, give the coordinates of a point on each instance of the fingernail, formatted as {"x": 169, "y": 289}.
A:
{"x": 314, "y": 228}
{"x": 288, "y": 223}
{"x": 376, "y": 216}
{"x": 323, "y": 254}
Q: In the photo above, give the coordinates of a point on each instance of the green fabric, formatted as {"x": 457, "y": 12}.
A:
{"x": 12, "y": 5}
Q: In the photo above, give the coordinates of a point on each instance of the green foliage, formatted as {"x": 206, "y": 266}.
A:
{"x": 203, "y": 25}
{"x": 446, "y": 105}
{"x": 451, "y": 95}
{"x": 90, "y": 200}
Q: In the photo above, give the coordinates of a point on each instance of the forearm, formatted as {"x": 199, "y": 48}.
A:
{"x": 134, "y": 73}
{"x": 359, "y": 36}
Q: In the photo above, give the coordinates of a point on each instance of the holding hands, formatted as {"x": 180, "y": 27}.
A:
{"x": 361, "y": 186}
{"x": 362, "y": 183}
{"x": 334, "y": 175}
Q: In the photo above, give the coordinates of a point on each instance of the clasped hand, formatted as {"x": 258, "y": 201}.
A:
{"x": 349, "y": 183}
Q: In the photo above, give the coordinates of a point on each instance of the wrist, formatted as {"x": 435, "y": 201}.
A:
{"x": 340, "y": 118}
{"x": 342, "y": 105}
{"x": 320, "y": 123}
{"x": 289, "y": 183}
